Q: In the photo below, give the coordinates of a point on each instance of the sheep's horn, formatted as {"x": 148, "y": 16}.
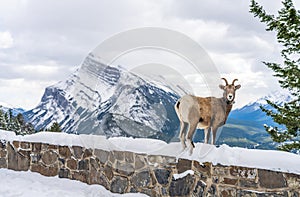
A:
{"x": 234, "y": 81}
{"x": 225, "y": 81}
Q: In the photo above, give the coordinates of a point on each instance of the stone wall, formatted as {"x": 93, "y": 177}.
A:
{"x": 123, "y": 172}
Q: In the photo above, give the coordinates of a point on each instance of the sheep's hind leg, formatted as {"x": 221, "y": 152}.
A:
{"x": 183, "y": 128}
{"x": 189, "y": 138}
{"x": 214, "y": 134}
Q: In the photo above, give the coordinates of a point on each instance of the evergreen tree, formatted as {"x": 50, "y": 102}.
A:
{"x": 16, "y": 124}
{"x": 28, "y": 128}
{"x": 287, "y": 27}
{"x": 21, "y": 119}
{"x": 3, "y": 123}
{"x": 55, "y": 127}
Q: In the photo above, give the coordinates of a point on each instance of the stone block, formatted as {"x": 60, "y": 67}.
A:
{"x": 220, "y": 170}
{"x": 84, "y": 165}
{"x": 129, "y": 157}
{"x": 45, "y": 170}
{"x": 102, "y": 155}
{"x": 119, "y": 185}
{"x": 36, "y": 147}
{"x": 170, "y": 160}
{"x": 270, "y": 179}
{"x": 104, "y": 182}
{"x": 64, "y": 173}
{"x": 82, "y": 176}
{"x": 95, "y": 177}
{"x": 3, "y": 153}
{"x": 162, "y": 176}
{"x": 77, "y": 152}
{"x": 87, "y": 153}
{"x": 25, "y": 145}
{"x": 182, "y": 187}
{"x": 95, "y": 165}
{"x": 111, "y": 158}
{"x": 227, "y": 191}
{"x": 229, "y": 181}
{"x": 141, "y": 179}
{"x": 248, "y": 183}
{"x": 156, "y": 160}
{"x": 118, "y": 155}
{"x": 16, "y": 144}
{"x": 123, "y": 168}
{"x": 64, "y": 152}
{"x": 204, "y": 168}
{"x": 49, "y": 157}
{"x": 140, "y": 161}
{"x": 3, "y": 163}
{"x": 243, "y": 172}
{"x": 183, "y": 165}
{"x": 293, "y": 181}
{"x": 199, "y": 188}
{"x": 72, "y": 164}
{"x": 212, "y": 190}
{"x": 19, "y": 161}
{"x": 52, "y": 147}
{"x": 35, "y": 157}
{"x": 108, "y": 172}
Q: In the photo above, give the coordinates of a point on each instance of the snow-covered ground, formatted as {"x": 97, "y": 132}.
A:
{"x": 28, "y": 184}
{"x": 264, "y": 159}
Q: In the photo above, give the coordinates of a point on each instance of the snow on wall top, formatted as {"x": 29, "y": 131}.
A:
{"x": 225, "y": 155}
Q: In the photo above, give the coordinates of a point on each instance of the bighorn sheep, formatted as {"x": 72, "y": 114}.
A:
{"x": 208, "y": 113}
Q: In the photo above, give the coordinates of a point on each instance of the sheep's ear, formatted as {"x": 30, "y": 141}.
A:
{"x": 237, "y": 87}
{"x": 222, "y": 87}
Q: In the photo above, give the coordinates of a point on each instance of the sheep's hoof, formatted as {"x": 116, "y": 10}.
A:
{"x": 193, "y": 145}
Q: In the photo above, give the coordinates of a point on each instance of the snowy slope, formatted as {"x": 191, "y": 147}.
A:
{"x": 107, "y": 100}
{"x": 28, "y": 184}
{"x": 15, "y": 110}
{"x": 263, "y": 159}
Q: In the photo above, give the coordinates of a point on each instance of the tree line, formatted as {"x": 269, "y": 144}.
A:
{"x": 18, "y": 124}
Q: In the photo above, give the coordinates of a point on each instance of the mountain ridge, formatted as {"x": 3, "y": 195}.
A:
{"x": 107, "y": 100}
{"x": 111, "y": 101}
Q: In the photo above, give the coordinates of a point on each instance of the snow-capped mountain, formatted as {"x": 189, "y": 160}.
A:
{"x": 252, "y": 111}
{"x": 111, "y": 101}
{"x": 107, "y": 100}
{"x": 15, "y": 110}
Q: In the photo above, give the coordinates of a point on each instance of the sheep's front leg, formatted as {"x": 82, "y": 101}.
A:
{"x": 182, "y": 133}
{"x": 206, "y": 135}
{"x": 190, "y": 134}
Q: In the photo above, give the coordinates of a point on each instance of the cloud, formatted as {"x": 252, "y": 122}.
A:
{"x": 23, "y": 93}
{"x": 44, "y": 41}
{"x": 6, "y": 40}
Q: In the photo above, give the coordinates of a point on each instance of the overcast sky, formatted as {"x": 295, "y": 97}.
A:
{"x": 43, "y": 42}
